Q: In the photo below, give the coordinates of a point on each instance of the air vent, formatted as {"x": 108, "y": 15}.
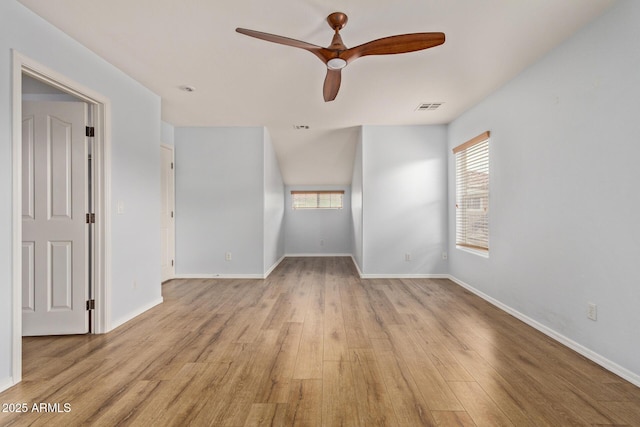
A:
{"x": 301, "y": 127}
{"x": 429, "y": 106}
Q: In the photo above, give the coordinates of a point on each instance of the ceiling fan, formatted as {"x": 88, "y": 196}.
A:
{"x": 337, "y": 55}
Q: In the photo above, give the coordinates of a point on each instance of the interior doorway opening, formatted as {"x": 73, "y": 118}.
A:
{"x": 29, "y": 77}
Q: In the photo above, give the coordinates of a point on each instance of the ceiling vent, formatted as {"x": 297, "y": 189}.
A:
{"x": 429, "y": 106}
{"x": 301, "y": 127}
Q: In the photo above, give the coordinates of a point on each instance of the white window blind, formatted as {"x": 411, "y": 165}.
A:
{"x": 317, "y": 199}
{"x": 472, "y": 193}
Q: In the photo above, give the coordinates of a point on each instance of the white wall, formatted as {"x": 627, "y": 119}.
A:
{"x": 273, "y": 207}
{"x": 227, "y": 184}
{"x": 404, "y": 200}
{"x": 135, "y": 183}
{"x": 564, "y": 202}
{"x": 167, "y": 133}
{"x": 135, "y": 162}
{"x": 318, "y": 231}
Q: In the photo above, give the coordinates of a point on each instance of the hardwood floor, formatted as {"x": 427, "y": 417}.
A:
{"x": 315, "y": 345}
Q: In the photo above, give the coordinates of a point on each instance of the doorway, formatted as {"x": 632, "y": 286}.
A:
{"x": 98, "y": 249}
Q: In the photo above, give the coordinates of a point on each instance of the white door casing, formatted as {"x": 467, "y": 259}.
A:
{"x": 167, "y": 212}
{"x": 54, "y": 230}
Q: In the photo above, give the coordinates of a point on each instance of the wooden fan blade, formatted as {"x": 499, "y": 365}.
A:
{"x": 394, "y": 44}
{"x": 323, "y": 53}
{"x": 331, "y": 84}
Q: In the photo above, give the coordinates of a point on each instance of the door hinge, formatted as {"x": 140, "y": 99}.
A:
{"x": 90, "y": 218}
{"x": 91, "y": 304}
{"x": 171, "y": 263}
{"x": 171, "y": 214}
{"x": 171, "y": 165}
{"x": 90, "y": 131}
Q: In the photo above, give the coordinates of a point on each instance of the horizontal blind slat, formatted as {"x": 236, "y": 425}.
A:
{"x": 472, "y": 192}
{"x": 320, "y": 199}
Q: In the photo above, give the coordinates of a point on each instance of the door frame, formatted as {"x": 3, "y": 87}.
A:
{"x": 101, "y": 163}
{"x": 173, "y": 224}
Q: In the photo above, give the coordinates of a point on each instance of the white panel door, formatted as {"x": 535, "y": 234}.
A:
{"x": 167, "y": 209}
{"x": 54, "y": 230}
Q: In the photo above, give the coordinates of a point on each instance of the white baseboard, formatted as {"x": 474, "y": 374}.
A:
{"x": 219, "y": 276}
{"x": 395, "y": 275}
{"x": 124, "y": 319}
{"x": 231, "y": 276}
{"x": 273, "y": 267}
{"x": 6, "y": 383}
{"x": 404, "y": 276}
{"x": 579, "y": 348}
{"x": 309, "y": 255}
{"x": 316, "y": 255}
{"x": 357, "y": 266}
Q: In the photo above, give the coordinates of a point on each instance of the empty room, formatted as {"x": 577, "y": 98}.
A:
{"x": 320, "y": 213}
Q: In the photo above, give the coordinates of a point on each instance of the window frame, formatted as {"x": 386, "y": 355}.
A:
{"x": 318, "y": 194}
{"x": 472, "y": 225}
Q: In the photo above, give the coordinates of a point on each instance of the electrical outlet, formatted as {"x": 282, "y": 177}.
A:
{"x": 227, "y": 256}
{"x": 592, "y": 311}
{"x": 407, "y": 257}
{"x": 444, "y": 255}
{"x": 321, "y": 242}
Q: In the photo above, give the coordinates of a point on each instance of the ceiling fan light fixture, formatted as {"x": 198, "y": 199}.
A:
{"x": 336, "y": 64}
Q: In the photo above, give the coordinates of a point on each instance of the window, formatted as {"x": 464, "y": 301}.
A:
{"x": 472, "y": 193}
{"x": 317, "y": 199}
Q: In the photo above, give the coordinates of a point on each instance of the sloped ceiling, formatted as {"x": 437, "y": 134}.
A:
{"x": 241, "y": 81}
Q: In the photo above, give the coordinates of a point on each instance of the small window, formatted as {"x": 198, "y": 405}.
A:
{"x": 472, "y": 193}
{"x": 317, "y": 199}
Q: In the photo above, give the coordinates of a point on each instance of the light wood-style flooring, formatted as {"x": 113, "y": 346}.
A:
{"x": 315, "y": 345}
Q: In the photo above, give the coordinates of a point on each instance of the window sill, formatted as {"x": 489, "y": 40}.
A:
{"x": 316, "y": 209}
{"x": 483, "y": 254}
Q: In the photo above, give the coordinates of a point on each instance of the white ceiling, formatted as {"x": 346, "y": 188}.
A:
{"x": 242, "y": 81}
